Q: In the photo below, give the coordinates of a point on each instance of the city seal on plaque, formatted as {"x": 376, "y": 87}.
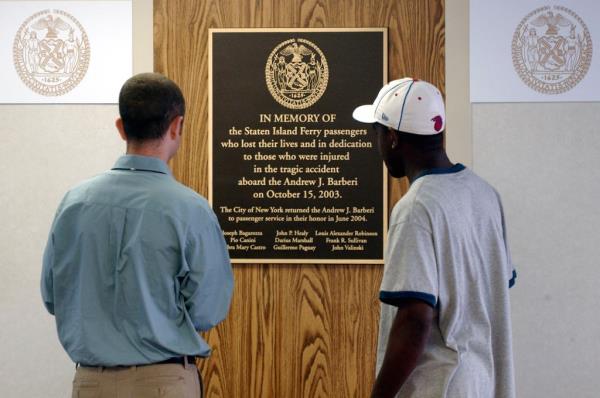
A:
{"x": 51, "y": 52}
{"x": 297, "y": 73}
{"x": 552, "y": 49}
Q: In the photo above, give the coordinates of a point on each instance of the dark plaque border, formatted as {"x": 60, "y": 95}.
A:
{"x": 238, "y": 95}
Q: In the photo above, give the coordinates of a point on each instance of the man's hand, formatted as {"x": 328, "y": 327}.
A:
{"x": 408, "y": 336}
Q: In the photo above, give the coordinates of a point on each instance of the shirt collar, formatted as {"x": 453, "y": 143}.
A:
{"x": 142, "y": 163}
{"x": 442, "y": 170}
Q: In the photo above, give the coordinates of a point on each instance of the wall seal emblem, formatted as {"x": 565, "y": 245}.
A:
{"x": 552, "y": 49}
{"x": 51, "y": 52}
{"x": 297, "y": 73}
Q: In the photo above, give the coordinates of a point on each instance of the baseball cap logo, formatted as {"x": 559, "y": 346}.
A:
{"x": 384, "y": 117}
{"x": 438, "y": 122}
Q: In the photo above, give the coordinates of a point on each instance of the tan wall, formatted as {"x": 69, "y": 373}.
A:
{"x": 45, "y": 149}
{"x": 459, "y": 141}
{"x": 302, "y": 330}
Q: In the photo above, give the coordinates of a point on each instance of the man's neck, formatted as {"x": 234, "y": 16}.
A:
{"x": 150, "y": 150}
{"x": 438, "y": 160}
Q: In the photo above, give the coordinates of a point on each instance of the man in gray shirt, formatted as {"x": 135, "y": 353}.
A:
{"x": 445, "y": 315}
{"x": 136, "y": 262}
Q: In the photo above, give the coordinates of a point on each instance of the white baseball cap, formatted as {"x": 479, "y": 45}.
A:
{"x": 407, "y": 105}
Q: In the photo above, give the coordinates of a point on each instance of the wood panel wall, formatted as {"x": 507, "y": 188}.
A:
{"x": 293, "y": 331}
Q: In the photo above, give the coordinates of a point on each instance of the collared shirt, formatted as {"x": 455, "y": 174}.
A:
{"x": 134, "y": 266}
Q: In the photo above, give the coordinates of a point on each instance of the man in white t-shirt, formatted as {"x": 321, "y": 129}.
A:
{"x": 445, "y": 316}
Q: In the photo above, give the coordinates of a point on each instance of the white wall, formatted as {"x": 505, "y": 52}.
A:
{"x": 543, "y": 159}
{"x": 45, "y": 149}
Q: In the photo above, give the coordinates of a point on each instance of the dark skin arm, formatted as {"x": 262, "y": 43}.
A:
{"x": 408, "y": 336}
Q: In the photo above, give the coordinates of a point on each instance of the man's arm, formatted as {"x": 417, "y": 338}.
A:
{"x": 47, "y": 285}
{"x": 208, "y": 286}
{"x": 408, "y": 336}
{"x": 47, "y": 280}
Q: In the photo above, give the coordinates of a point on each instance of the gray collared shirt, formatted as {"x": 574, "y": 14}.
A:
{"x": 134, "y": 266}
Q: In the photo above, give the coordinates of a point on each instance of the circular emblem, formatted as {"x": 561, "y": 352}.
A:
{"x": 51, "y": 52}
{"x": 552, "y": 49}
{"x": 297, "y": 73}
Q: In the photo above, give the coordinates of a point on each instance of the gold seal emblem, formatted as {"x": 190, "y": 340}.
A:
{"x": 51, "y": 52}
{"x": 552, "y": 49}
{"x": 297, "y": 73}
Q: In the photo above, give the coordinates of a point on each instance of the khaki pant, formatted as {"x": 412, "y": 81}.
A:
{"x": 165, "y": 381}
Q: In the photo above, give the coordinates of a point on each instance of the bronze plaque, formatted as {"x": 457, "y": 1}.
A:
{"x": 293, "y": 178}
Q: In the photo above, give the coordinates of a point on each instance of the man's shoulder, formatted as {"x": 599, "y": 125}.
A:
{"x": 442, "y": 188}
{"x": 166, "y": 195}
{"x": 481, "y": 188}
{"x": 476, "y": 179}
{"x": 79, "y": 191}
{"x": 429, "y": 196}
{"x": 187, "y": 195}
{"x": 182, "y": 202}
{"x": 408, "y": 209}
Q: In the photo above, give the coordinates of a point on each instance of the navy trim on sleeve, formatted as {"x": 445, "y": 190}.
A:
{"x": 395, "y": 298}
{"x": 512, "y": 280}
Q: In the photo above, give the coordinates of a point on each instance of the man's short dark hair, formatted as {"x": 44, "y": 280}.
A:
{"x": 148, "y": 103}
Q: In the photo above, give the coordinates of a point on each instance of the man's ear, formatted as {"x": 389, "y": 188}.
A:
{"x": 175, "y": 127}
{"x": 393, "y": 137}
{"x": 121, "y": 128}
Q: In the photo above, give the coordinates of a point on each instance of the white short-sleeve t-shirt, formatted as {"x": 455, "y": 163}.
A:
{"x": 447, "y": 247}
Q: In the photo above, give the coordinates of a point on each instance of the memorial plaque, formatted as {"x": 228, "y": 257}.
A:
{"x": 293, "y": 178}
